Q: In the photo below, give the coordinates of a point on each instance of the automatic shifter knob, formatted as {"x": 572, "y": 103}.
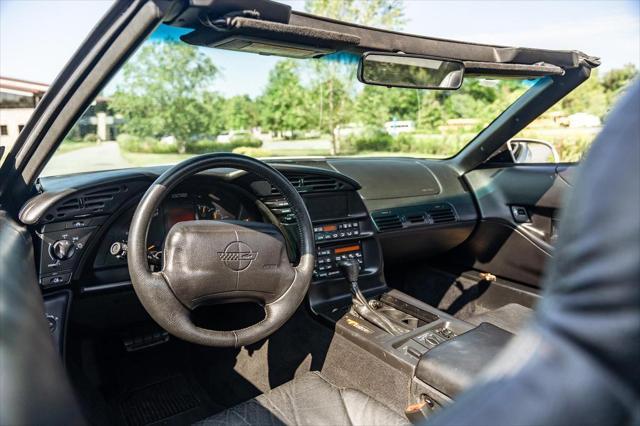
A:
{"x": 350, "y": 270}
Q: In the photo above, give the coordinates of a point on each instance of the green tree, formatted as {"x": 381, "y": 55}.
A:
{"x": 431, "y": 114}
{"x": 283, "y": 105}
{"x": 239, "y": 113}
{"x": 162, "y": 89}
{"x": 377, "y": 13}
{"x": 335, "y": 76}
{"x": 589, "y": 97}
{"x": 372, "y": 106}
{"x": 215, "y": 105}
{"x": 618, "y": 78}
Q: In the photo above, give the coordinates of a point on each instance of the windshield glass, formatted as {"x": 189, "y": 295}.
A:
{"x": 172, "y": 100}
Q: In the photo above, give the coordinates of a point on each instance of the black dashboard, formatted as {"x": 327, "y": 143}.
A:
{"x": 372, "y": 210}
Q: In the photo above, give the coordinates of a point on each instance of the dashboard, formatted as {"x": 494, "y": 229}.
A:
{"x": 370, "y": 210}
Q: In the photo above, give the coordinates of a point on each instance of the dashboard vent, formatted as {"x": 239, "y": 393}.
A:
{"x": 72, "y": 204}
{"x": 442, "y": 214}
{"x": 415, "y": 218}
{"x": 322, "y": 183}
{"x": 311, "y": 183}
{"x": 90, "y": 202}
{"x": 388, "y": 222}
{"x": 97, "y": 199}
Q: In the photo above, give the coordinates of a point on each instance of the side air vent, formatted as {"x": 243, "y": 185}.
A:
{"x": 72, "y": 204}
{"x": 90, "y": 202}
{"x": 388, "y": 222}
{"x": 442, "y": 214}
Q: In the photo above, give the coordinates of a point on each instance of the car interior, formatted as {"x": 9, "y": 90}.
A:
{"x": 313, "y": 290}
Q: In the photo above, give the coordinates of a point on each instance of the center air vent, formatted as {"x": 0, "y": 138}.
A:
{"x": 312, "y": 183}
{"x": 387, "y": 222}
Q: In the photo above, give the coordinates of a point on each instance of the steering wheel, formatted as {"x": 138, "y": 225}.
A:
{"x": 210, "y": 261}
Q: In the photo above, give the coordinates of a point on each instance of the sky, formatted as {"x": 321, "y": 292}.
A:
{"x": 35, "y": 47}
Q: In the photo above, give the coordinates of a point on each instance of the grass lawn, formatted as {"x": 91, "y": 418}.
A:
{"x": 137, "y": 159}
{"x": 67, "y": 146}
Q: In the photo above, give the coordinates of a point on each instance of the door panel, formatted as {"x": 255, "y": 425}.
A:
{"x": 35, "y": 389}
{"x": 519, "y": 206}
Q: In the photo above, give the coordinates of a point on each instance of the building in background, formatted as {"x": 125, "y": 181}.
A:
{"x": 18, "y": 99}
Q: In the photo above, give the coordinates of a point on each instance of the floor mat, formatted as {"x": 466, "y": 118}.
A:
{"x": 160, "y": 402}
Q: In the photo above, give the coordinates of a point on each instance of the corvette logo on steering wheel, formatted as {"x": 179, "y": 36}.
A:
{"x": 237, "y": 256}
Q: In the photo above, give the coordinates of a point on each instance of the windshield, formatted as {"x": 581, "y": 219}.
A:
{"x": 172, "y": 100}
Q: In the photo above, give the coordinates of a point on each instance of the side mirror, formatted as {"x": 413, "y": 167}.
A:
{"x": 410, "y": 71}
{"x": 532, "y": 151}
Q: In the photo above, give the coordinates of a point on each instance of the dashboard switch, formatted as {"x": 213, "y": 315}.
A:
{"x": 118, "y": 249}
{"x": 63, "y": 249}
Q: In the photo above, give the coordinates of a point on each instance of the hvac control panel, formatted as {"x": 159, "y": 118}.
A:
{"x": 328, "y": 258}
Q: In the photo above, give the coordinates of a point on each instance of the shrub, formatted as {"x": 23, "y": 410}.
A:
{"x": 154, "y": 146}
{"x": 572, "y": 149}
{"x": 404, "y": 142}
{"x": 246, "y": 140}
{"x": 90, "y": 137}
{"x": 252, "y": 152}
{"x": 145, "y": 145}
{"x": 205, "y": 145}
{"x": 370, "y": 140}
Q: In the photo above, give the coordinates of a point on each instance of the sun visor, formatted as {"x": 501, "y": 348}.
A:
{"x": 495, "y": 69}
{"x": 271, "y": 38}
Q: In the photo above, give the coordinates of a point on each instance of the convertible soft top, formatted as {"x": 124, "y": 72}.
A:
{"x": 268, "y": 27}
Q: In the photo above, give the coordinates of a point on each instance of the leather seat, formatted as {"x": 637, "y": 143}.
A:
{"x": 309, "y": 400}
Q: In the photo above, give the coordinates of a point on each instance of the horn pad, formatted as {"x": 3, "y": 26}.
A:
{"x": 209, "y": 260}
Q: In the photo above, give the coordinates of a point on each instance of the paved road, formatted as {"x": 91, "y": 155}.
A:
{"x": 103, "y": 156}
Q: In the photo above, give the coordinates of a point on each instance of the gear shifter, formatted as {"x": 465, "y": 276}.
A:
{"x": 350, "y": 270}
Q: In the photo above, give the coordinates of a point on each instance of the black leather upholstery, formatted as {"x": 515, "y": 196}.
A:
{"x": 577, "y": 363}
{"x": 511, "y": 317}
{"x": 309, "y": 400}
{"x": 33, "y": 385}
{"x": 451, "y": 366}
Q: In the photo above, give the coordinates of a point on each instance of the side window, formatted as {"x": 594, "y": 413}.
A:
{"x": 565, "y": 132}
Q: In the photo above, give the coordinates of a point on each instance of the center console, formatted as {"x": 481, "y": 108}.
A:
{"x": 343, "y": 230}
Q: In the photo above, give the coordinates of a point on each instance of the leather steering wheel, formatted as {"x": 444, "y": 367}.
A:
{"x": 210, "y": 261}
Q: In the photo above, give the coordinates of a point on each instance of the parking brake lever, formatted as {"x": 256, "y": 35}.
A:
{"x": 350, "y": 270}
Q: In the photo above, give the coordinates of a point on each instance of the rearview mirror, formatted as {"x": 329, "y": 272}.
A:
{"x": 410, "y": 71}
